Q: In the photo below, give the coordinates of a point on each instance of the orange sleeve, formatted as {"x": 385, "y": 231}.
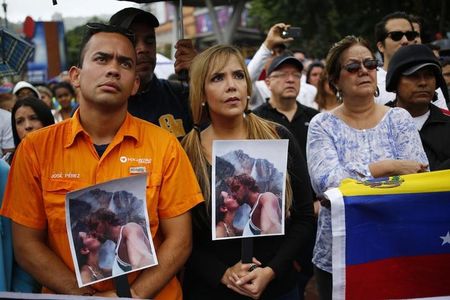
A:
{"x": 179, "y": 187}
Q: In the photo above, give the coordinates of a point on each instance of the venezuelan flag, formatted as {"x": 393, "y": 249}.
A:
{"x": 391, "y": 237}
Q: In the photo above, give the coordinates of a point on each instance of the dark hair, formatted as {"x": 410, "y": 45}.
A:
{"x": 311, "y": 67}
{"x": 445, "y": 61}
{"x": 298, "y": 50}
{"x": 433, "y": 47}
{"x": 41, "y": 110}
{"x": 380, "y": 27}
{"x": 236, "y": 181}
{"x": 102, "y": 215}
{"x": 333, "y": 64}
{"x": 65, "y": 85}
{"x": 94, "y": 28}
{"x": 79, "y": 245}
{"x": 418, "y": 20}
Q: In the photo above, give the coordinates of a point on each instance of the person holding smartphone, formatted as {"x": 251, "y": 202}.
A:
{"x": 278, "y": 36}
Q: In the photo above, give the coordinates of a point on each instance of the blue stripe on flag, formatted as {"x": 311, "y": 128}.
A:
{"x": 411, "y": 224}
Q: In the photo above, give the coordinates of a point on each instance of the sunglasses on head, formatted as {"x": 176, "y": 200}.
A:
{"x": 369, "y": 64}
{"x": 398, "y": 35}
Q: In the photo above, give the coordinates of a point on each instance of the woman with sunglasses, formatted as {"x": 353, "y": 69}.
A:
{"x": 358, "y": 139}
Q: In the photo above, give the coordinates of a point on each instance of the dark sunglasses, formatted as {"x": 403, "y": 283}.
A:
{"x": 353, "y": 67}
{"x": 398, "y": 35}
{"x": 100, "y": 27}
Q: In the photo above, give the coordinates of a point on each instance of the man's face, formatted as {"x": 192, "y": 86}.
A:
{"x": 240, "y": 193}
{"x": 24, "y": 93}
{"x": 418, "y": 39}
{"x": 145, "y": 52}
{"x": 107, "y": 76}
{"x": 446, "y": 73}
{"x": 388, "y": 47}
{"x": 284, "y": 82}
{"x": 417, "y": 88}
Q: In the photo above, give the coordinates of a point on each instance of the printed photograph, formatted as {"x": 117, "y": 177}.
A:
{"x": 108, "y": 229}
{"x": 248, "y": 193}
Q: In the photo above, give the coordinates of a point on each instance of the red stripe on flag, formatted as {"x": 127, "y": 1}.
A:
{"x": 405, "y": 277}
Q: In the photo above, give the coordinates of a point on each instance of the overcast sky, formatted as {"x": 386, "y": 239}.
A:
{"x": 42, "y": 10}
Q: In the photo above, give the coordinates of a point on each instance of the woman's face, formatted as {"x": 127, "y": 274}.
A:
{"x": 226, "y": 90}
{"x": 64, "y": 97}
{"x": 229, "y": 201}
{"x": 314, "y": 76}
{"x": 90, "y": 241}
{"x": 361, "y": 83}
{"x": 26, "y": 121}
{"x": 46, "y": 99}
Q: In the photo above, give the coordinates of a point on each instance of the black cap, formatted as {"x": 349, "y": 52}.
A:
{"x": 409, "y": 59}
{"x": 283, "y": 59}
{"x": 125, "y": 17}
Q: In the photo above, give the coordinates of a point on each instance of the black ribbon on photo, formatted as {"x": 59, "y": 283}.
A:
{"x": 122, "y": 286}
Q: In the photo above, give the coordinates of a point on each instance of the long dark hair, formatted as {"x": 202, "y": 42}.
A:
{"x": 41, "y": 110}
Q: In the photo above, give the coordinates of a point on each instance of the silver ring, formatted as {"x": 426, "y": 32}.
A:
{"x": 252, "y": 267}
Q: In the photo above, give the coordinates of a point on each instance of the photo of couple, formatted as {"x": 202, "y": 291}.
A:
{"x": 249, "y": 185}
{"x": 108, "y": 230}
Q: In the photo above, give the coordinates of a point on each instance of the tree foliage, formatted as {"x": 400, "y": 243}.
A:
{"x": 327, "y": 21}
{"x": 73, "y": 42}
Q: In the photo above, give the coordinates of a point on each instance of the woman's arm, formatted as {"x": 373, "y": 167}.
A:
{"x": 270, "y": 214}
{"x": 324, "y": 165}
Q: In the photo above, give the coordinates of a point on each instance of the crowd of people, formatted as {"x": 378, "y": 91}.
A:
{"x": 348, "y": 116}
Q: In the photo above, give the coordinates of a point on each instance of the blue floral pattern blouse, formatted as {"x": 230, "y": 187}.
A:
{"x": 336, "y": 151}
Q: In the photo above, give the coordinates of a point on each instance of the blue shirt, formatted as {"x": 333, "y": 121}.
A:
{"x": 12, "y": 277}
{"x": 336, "y": 151}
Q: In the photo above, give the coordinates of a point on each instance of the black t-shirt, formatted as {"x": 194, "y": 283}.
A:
{"x": 299, "y": 124}
{"x": 164, "y": 104}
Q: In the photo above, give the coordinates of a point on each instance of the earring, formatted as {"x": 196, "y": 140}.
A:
{"x": 377, "y": 92}
{"x": 203, "y": 104}
{"x": 339, "y": 96}
{"x": 248, "y": 98}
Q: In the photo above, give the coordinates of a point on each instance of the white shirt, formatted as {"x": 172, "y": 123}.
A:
{"x": 420, "y": 120}
{"x": 6, "y": 136}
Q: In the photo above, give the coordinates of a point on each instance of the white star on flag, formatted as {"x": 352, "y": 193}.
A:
{"x": 445, "y": 239}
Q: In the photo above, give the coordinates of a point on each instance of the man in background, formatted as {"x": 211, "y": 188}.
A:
{"x": 394, "y": 31}
{"x": 414, "y": 75}
{"x": 158, "y": 101}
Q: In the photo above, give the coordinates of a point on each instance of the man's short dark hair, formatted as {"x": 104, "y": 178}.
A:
{"x": 64, "y": 85}
{"x": 380, "y": 27}
{"x": 94, "y": 28}
{"x": 102, "y": 215}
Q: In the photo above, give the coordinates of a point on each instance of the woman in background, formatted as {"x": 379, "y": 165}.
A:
{"x": 65, "y": 96}
{"x": 325, "y": 97}
{"x": 313, "y": 73}
{"x": 358, "y": 139}
{"x": 28, "y": 114}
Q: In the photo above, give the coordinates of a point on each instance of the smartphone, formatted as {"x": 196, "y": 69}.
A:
{"x": 291, "y": 32}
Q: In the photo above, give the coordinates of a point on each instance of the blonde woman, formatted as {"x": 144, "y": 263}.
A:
{"x": 219, "y": 91}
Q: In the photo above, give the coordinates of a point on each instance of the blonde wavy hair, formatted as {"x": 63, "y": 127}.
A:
{"x": 211, "y": 60}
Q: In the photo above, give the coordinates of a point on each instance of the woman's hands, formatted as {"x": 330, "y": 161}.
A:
{"x": 392, "y": 167}
{"x": 247, "y": 280}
